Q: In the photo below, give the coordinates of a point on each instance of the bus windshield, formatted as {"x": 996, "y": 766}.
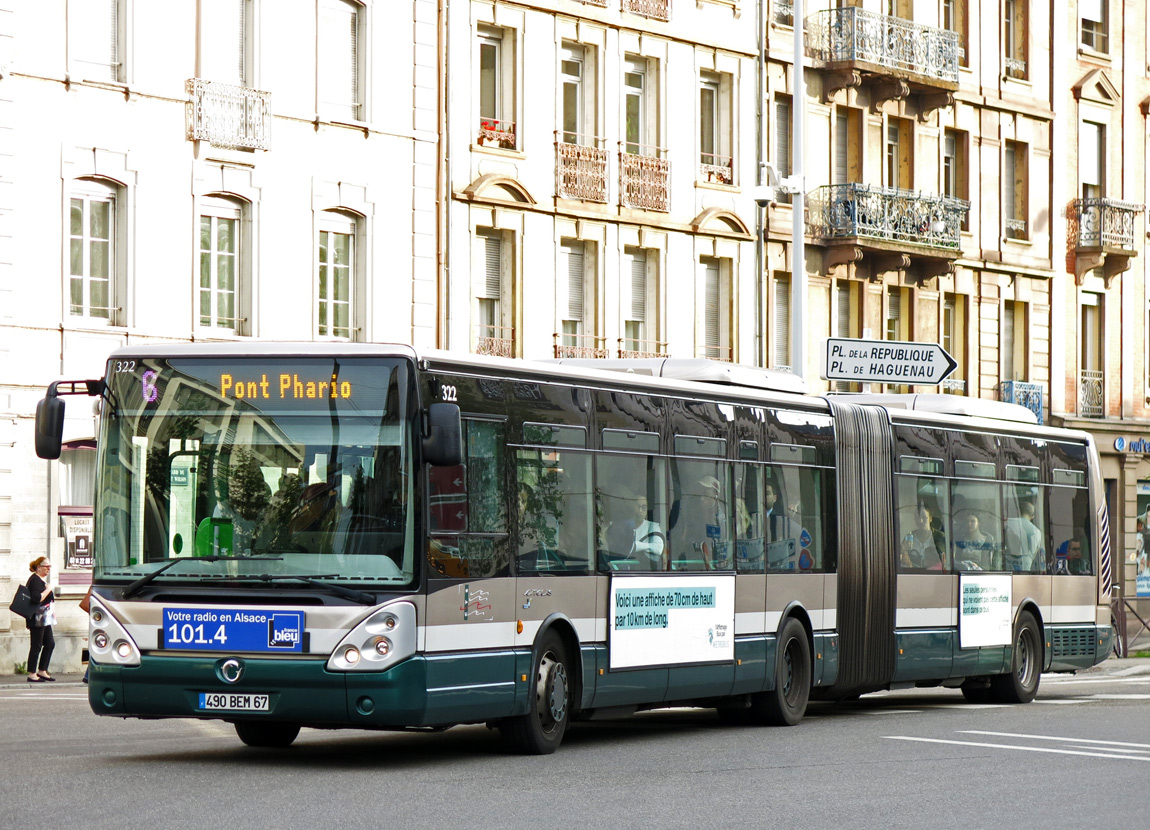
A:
{"x": 254, "y": 468}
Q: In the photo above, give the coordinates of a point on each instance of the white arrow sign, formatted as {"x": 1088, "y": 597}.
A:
{"x": 885, "y": 361}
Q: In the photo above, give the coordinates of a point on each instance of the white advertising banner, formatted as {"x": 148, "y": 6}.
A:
{"x": 984, "y": 610}
{"x": 674, "y": 619}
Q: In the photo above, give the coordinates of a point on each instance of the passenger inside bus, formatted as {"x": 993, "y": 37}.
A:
{"x": 630, "y": 539}
{"x": 924, "y": 547}
{"x": 973, "y": 549}
{"x": 1024, "y": 541}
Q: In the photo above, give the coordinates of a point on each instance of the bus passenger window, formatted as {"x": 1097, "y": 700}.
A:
{"x": 921, "y": 529}
{"x": 750, "y": 547}
{"x": 1025, "y": 550}
{"x": 554, "y": 518}
{"x": 631, "y": 513}
{"x": 701, "y": 531}
{"x": 1069, "y": 526}
{"x": 976, "y": 528}
{"x": 468, "y": 512}
{"x": 793, "y": 519}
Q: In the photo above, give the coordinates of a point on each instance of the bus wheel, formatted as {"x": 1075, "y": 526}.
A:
{"x": 786, "y": 704}
{"x": 266, "y": 733}
{"x": 540, "y": 731}
{"x": 1021, "y": 684}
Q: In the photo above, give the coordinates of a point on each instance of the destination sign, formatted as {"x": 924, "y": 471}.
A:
{"x": 885, "y": 361}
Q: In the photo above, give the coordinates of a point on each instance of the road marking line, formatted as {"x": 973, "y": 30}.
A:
{"x": 1019, "y": 748}
{"x": 1144, "y": 679}
{"x": 1052, "y": 738}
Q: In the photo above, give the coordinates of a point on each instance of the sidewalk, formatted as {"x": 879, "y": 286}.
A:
{"x": 19, "y": 681}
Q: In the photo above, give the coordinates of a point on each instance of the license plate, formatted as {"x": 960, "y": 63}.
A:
{"x": 216, "y": 701}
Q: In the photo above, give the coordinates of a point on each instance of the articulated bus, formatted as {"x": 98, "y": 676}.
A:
{"x": 363, "y": 536}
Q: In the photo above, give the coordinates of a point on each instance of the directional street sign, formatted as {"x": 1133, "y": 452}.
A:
{"x": 885, "y": 361}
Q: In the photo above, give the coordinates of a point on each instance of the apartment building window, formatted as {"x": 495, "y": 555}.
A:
{"x": 1014, "y": 32}
{"x": 1095, "y": 26}
{"x": 497, "y": 87}
{"x": 716, "y": 163}
{"x": 781, "y": 125}
{"x": 781, "y": 328}
{"x": 640, "y": 77}
{"x": 576, "y": 263}
{"x": 224, "y": 35}
{"x": 336, "y": 275}
{"x": 1015, "y": 175}
{"x": 92, "y": 251}
{"x": 954, "y": 19}
{"x": 341, "y": 54}
{"x": 1013, "y": 336}
{"x": 221, "y": 255}
{"x": 96, "y": 39}
{"x": 494, "y": 327}
{"x": 954, "y": 325}
{"x": 897, "y": 318}
{"x": 1091, "y": 159}
{"x": 1091, "y": 368}
{"x": 897, "y": 154}
{"x": 577, "y": 78}
{"x": 640, "y": 301}
{"x": 715, "y": 325}
{"x": 954, "y": 169}
{"x": 843, "y": 325}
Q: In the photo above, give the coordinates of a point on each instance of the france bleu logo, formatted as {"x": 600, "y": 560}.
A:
{"x": 285, "y": 631}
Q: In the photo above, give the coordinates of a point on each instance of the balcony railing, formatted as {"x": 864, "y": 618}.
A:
{"x": 716, "y": 168}
{"x": 1106, "y": 224}
{"x": 638, "y": 349}
{"x": 720, "y": 353}
{"x": 1091, "y": 402}
{"x": 783, "y": 12}
{"x": 495, "y": 340}
{"x": 1015, "y": 68}
{"x": 228, "y": 116}
{"x": 1023, "y": 394}
{"x": 644, "y": 177}
{"x": 1016, "y": 229}
{"x": 580, "y": 346}
{"x": 953, "y": 386}
{"x": 844, "y": 211}
{"x": 654, "y": 9}
{"x": 496, "y": 133}
{"x": 854, "y": 35}
{"x": 580, "y": 168}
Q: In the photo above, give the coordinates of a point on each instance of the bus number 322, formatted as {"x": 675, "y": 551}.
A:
{"x": 189, "y": 634}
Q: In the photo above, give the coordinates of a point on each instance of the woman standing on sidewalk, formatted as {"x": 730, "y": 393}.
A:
{"x": 40, "y": 623}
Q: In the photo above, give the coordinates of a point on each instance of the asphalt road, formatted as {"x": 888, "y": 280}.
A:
{"x": 1078, "y": 756}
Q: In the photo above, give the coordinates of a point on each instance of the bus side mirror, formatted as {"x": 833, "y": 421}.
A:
{"x": 49, "y": 427}
{"x": 443, "y": 442}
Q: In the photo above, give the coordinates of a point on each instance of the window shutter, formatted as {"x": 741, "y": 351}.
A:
{"x": 1006, "y": 343}
{"x": 782, "y": 322}
{"x": 783, "y": 137}
{"x": 340, "y": 58}
{"x": 222, "y": 33}
{"x": 638, "y": 286}
{"x": 711, "y": 305}
{"x": 492, "y": 265}
{"x": 841, "y": 133}
{"x": 843, "y": 306}
{"x": 1008, "y": 178}
{"x": 573, "y": 254}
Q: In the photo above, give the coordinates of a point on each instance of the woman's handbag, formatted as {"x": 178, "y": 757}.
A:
{"x": 22, "y": 604}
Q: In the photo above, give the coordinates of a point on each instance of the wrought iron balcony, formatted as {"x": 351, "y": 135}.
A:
{"x": 859, "y": 211}
{"x": 495, "y": 340}
{"x": 1015, "y": 67}
{"x": 637, "y": 349}
{"x": 720, "y": 353}
{"x": 953, "y": 386}
{"x": 580, "y": 168}
{"x": 580, "y": 346}
{"x": 1105, "y": 225}
{"x": 1016, "y": 229}
{"x": 654, "y": 9}
{"x": 496, "y": 133}
{"x": 228, "y": 116}
{"x": 853, "y": 38}
{"x": 783, "y": 12}
{"x": 1023, "y": 394}
{"x": 1091, "y": 397}
{"x": 644, "y": 177}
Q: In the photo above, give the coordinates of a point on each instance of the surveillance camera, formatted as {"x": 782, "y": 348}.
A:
{"x": 764, "y": 195}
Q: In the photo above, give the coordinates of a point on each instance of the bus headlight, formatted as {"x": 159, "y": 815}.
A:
{"x": 384, "y": 638}
{"x": 108, "y": 641}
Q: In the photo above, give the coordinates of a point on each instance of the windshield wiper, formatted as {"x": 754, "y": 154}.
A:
{"x": 362, "y": 597}
{"x": 175, "y": 560}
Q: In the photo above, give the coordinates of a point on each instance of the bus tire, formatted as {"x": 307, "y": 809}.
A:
{"x": 786, "y": 704}
{"x": 1021, "y": 684}
{"x": 267, "y": 734}
{"x": 540, "y": 731}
